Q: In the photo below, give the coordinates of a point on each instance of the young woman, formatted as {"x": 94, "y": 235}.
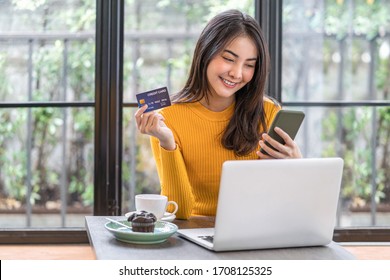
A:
{"x": 221, "y": 114}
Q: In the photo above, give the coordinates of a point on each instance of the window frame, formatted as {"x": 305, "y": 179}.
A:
{"x": 108, "y": 107}
{"x": 269, "y": 14}
{"x": 108, "y": 121}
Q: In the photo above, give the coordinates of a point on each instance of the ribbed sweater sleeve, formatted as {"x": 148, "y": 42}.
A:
{"x": 173, "y": 178}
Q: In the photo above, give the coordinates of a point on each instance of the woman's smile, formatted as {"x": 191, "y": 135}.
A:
{"x": 228, "y": 83}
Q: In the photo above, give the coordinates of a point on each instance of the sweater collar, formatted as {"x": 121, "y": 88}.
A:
{"x": 207, "y": 114}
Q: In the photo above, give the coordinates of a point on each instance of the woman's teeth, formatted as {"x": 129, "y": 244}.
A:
{"x": 228, "y": 82}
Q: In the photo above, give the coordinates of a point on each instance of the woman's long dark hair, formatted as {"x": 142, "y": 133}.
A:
{"x": 243, "y": 131}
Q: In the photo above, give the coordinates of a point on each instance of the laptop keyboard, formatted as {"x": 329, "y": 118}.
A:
{"x": 208, "y": 238}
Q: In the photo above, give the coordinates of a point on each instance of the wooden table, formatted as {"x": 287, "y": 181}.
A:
{"x": 106, "y": 247}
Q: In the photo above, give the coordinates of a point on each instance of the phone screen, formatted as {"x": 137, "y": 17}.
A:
{"x": 289, "y": 121}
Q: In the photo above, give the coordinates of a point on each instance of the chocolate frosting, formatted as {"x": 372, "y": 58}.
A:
{"x": 142, "y": 217}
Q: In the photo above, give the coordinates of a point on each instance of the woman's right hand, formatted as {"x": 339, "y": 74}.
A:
{"x": 152, "y": 123}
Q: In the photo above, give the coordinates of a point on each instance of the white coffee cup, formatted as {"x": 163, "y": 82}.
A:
{"x": 156, "y": 204}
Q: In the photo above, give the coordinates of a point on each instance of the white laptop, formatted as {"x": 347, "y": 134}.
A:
{"x": 273, "y": 204}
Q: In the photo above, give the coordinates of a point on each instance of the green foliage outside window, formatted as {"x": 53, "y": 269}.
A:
{"x": 371, "y": 19}
{"x": 47, "y": 123}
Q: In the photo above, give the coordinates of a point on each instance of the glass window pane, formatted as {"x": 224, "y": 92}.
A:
{"x": 329, "y": 53}
{"x": 46, "y": 164}
{"x": 160, "y": 37}
{"x": 47, "y": 53}
{"x": 360, "y": 135}
{"x": 338, "y": 51}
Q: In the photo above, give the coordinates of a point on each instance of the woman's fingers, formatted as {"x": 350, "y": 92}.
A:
{"x": 287, "y": 139}
{"x": 138, "y": 115}
{"x": 287, "y": 150}
{"x": 150, "y": 122}
{"x": 290, "y": 149}
{"x": 275, "y": 144}
{"x": 262, "y": 155}
{"x": 141, "y": 118}
{"x": 146, "y": 124}
{"x": 270, "y": 151}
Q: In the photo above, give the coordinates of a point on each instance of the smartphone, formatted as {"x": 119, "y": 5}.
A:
{"x": 289, "y": 121}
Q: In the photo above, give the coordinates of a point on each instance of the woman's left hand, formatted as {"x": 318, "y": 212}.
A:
{"x": 289, "y": 150}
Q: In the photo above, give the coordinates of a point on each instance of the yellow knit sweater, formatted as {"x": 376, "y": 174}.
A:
{"x": 190, "y": 174}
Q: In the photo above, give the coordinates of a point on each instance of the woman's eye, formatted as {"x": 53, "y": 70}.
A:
{"x": 228, "y": 59}
{"x": 250, "y": 65}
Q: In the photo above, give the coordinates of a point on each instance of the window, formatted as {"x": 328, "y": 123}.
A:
{"x": 63, "y": 156}
{"x": 48, "y": 104}
{"x": 160, "y": 37}
{"x": 47, "y": 56}
{"x": 335, "y": 67}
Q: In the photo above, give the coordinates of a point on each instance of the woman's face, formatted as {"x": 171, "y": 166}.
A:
{"x": 232, "y": 69}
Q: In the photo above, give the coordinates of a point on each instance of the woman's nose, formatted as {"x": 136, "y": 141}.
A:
{"x": 236, "y": 72}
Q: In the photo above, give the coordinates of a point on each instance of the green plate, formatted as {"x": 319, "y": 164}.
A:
{"x": 162, "y": 231}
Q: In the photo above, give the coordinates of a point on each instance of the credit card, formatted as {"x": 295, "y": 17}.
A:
{"x": 156, "y": 99}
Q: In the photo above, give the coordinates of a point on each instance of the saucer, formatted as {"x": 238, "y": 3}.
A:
{"x": 167, "y": 216}
{"x": 162, "y": 231}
